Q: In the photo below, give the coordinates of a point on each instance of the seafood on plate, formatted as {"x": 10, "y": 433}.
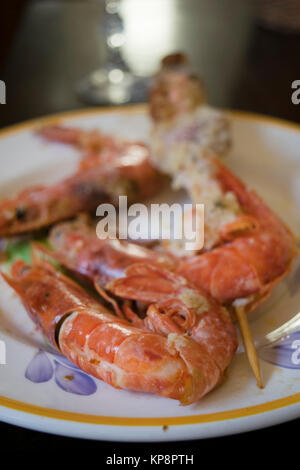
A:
{"x": 176, "y": 306}
{"x": 105, "y": 171}
{"x": 163, "y": 322}
{"x": 132, "y": 273}
{"x": 254, "y": 249}
{"x": 184, "y": 124}
{"x": 109, "y": 166}
{"x": 76, "y": 246}
{"x": 247, "y": 249}
{"x": 169, "y": 363}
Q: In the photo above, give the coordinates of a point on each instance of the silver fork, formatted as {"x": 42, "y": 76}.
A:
{"x": 282, "y": 331}
{"x": 281, "y": 346}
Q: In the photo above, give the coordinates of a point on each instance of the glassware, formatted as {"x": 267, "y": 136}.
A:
{"x": 113, "y": 83}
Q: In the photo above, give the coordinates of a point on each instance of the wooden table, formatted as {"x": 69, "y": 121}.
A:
{"x": 244, "y": 67}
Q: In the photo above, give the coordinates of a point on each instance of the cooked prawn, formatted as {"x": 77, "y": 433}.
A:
{"x": 133, "y": 273}
{"x": 175, "y": 305}
{"x": 184, "y": 125}
{"x": 111, "y": 349}
{"x": 251, "y": 258}
{"x": 247, "y": 249}
{"x": 75, "y": 245}
{"x": 104, "y": 173}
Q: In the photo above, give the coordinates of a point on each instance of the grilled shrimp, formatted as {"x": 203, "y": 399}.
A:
{"x": 247, "y": 249}
{"x": 90, "y": 141}
{"x": 104, "y": 172}
{"x": 133, "y": 273}
{"x": 251, "y": 257}
{"x": 177, "y": 306}
{"x": 183, "y": 122}
{"x": 103, "y": 345}
{"x": 75, "y": 245}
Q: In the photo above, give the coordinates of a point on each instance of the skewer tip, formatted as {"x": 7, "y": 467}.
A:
{"x": 249, "y": 344}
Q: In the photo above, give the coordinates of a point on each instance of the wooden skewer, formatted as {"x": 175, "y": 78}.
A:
{"x": 248, "y": 343}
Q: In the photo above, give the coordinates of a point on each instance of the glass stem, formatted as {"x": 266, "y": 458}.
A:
{"x": 114, "y": 33}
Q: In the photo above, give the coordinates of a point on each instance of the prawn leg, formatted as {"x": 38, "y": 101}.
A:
{"x": 176, "y": 306}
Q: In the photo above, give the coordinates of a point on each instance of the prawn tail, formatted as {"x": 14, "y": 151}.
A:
{"x": 203, "y": 373}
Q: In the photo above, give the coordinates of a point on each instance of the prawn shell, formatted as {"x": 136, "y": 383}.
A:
{"x": 108, "y": 168}
{"x": 108, "y": 347}
{"x": 250, "y": 264}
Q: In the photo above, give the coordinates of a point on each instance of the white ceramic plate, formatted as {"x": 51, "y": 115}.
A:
{"x": 33, "y": 388}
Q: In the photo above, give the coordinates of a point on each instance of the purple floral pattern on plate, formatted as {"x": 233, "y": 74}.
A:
{"x": 67, "y": 376}
{"x": 40, "y": 368}
{"x": 74, "y": 381}
{"x": 284, "y": 353}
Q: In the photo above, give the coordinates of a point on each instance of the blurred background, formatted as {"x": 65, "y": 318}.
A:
{"x": 51, "y": 52}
